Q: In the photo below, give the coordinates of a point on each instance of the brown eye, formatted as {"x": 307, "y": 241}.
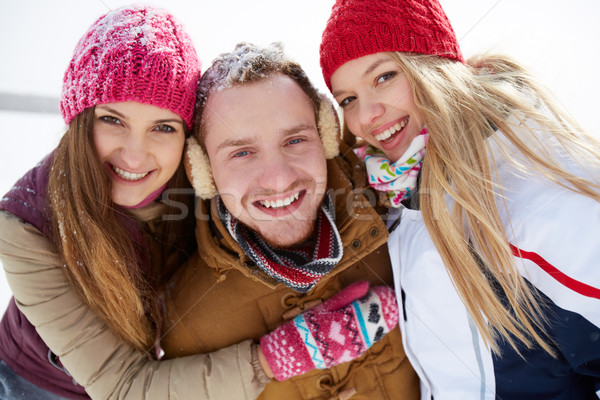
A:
{"x": 109, "y": 119}
{"x": 346, "y": 101}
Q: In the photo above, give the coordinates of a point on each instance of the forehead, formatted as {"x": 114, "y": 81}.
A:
{"x": 359, "y": 68}
{"x": 256, "y": 108}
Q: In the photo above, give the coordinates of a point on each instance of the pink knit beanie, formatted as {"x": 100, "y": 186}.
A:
{"x": 133, "y": 54}
{"x": 358, "y": 28}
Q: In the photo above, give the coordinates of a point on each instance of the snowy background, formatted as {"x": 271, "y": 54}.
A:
{"x": 556, "y": 39}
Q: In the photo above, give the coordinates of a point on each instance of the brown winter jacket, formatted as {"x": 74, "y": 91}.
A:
{"x": 96, "y": 358}
{"x": 221, "y": 298}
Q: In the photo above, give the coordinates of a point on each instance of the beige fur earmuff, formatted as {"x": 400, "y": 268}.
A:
{"x": 197, "y": 167}
{"x": 328, "y": 125}
{"x": 197, "y": 164}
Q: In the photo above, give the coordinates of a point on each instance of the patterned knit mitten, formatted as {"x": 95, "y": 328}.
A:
{"x": 338, "y": 330}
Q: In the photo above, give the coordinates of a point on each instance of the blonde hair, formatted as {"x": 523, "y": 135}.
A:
{"x": 463, "y": 105}
{"x": 116, "y": 277}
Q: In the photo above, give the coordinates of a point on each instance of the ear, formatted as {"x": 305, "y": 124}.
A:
{"x": 197, "y": 167}
{"x": 329, "y": 127}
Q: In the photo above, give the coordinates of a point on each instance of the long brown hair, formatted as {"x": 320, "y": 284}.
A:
{"x": 463, "y": 105}
{"x": 115, "y": 275}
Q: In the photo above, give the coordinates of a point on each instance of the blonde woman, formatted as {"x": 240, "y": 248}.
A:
{"x": 497, "y": 273}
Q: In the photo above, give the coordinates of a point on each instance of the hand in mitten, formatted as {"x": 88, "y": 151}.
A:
{"x": 338, "y": 330}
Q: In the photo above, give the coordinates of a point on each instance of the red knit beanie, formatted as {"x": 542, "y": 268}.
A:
{"x": 133, "y": 54}
{"x": 358, "y": 28}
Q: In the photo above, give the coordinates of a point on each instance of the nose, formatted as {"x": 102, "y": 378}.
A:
{"x": 277, "y": 172}
{"x": 134, "y": 150}
{"x": 370, "y": 110}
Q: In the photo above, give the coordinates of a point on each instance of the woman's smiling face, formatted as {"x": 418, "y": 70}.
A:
{"x": 141, "y": 146}
{"x": 378, "y": 103}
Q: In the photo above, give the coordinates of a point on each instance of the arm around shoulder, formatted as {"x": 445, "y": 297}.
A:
{"x": 106, "y": 366}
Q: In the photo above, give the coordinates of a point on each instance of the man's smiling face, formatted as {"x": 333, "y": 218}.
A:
{"x": 267, "y": 157}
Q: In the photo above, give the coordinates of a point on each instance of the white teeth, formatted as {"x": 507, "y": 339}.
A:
{"x": 129, "y": 176}
{"x": 389, "y": 132}
{"x": 280, "y": 203}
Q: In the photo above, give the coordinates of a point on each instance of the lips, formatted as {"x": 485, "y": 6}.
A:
{"x": 389, "y": 134}
{"x": 280, "y": 202}
{"x": 128, "y": 177}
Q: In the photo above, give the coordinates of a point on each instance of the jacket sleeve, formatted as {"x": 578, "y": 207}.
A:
{"x": 93, "y": 355}
{"x": 556, "y": 246}
{"x": 553, "y": 232}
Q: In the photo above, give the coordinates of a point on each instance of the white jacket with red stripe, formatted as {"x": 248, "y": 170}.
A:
{"x": 558, "y": 235}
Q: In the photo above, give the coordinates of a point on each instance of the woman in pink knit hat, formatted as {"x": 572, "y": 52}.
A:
{"x": 89, "y": 235}
{"x": 494, "y": 196}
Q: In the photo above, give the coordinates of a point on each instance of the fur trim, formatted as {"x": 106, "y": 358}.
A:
{"x": 329, "y": 127}
{"x": 197, "y": 166}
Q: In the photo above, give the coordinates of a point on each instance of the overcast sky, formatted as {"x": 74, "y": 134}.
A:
{"x": 557, "y": 39}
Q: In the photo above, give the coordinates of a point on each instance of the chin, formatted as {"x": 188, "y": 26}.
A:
{"x": 289, "y": 236}
{"x": 125, "y": 202}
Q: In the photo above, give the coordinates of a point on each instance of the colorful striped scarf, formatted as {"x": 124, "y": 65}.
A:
{"x": 397, "y": 180}
{"x": 301, "y": 267}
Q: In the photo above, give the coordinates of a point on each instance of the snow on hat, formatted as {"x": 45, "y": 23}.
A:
{"x": 358, "y": 28}
{"x": 137, "y": 54}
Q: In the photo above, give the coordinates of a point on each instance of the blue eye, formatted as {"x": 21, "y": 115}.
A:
{"x": 385, "y": 77}
{"x": 295, "y": 141}
{"x": 165, "y": 128}
{"x": 241, "y": 154}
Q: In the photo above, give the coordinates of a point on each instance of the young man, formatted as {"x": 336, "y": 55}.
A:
{"x": 292, "y": 226}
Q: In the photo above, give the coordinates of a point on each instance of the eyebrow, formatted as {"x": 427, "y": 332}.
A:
{"x": 296, "y": 128}
{"x": 168, "y": 121}
{"x": 111, "y": 110}
{"x": 248, "y": 141}
{"x": 124, "y": 117}
{"x": 375, "y": 64}
{"x": 234, "y": 143}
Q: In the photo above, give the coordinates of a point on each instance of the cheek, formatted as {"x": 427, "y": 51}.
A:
{"x": 103, "y": 145}
{"x": 353, "y": 125}
{"x": 231, "y": 196}
{"x": 230, "y": 184}
{"x": 321, "y": 171}
{"x": 316, "y": 168}
{"x": 419, "y": 115}
{"x": 230, "y": 202}
{"x": 171, "y": 153}
{"x": 176, "y": 157}
{"x": 408, "y": 99}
